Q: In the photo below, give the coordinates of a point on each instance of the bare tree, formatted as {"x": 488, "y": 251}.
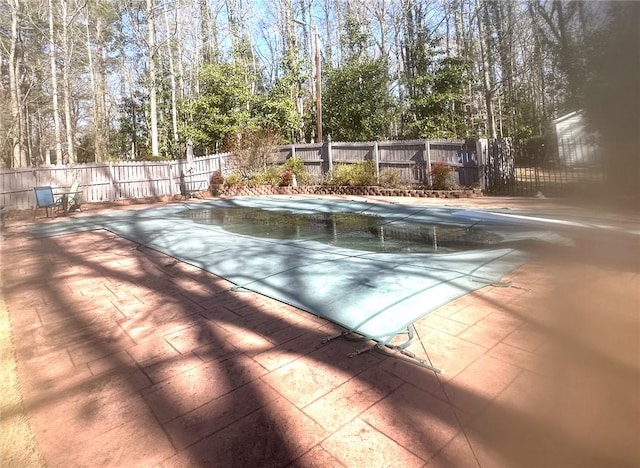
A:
{"x": 172, "y": 75}
{"x": 54, "y": 85}
{"x": 96, "y": 15}
{"x": 486, "y": 50}
{"x": 151, "y": 68}
{"x": 67, "y": 51}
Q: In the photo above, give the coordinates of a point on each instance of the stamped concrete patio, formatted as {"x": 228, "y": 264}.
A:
{"x": 127, "y": 357}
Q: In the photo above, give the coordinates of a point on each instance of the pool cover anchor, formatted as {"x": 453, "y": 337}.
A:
{"x": 360, "y": 351}
{"x": 400, "y": 348}
{"x": 413, "y": 358}
{"x": 411, "y": 333}
{"x": 500, "y": 284}
{"x": 332, "y": 337}
{"x": 348, "y": 334}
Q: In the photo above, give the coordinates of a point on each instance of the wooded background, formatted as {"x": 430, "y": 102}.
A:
{"x": 97, "y": 80}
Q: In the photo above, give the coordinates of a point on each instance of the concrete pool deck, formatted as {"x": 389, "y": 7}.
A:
{"x": 129, "y": 358}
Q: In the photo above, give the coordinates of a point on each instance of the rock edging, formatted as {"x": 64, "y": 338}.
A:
{"x": 238, "y": 190}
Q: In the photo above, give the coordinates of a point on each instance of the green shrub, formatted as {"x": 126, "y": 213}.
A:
{"x": 392, "y": 178}
{"x": 233, "y": 179}
{"x": 362, "y": 173}
{"x": 321, "y": 179}
{"x": 340, "y": 174}
{"x": 269, "y": 177}
{"x": 296, "y": 167}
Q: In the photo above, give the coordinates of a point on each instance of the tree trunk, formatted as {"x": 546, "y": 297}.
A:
{"x": 97, "y": 71}
{"x": 66, "y": 83}
{"x": 153, "y": 100}
{"x": 208, "y": 31}
{"x": 14, "y": 86}
{"x": 503, "y": 13}
{"x": 172, "y": 75}
{"x": 54, "y": 87}
{"x": 485, "y": 52}
{"x": 101, "y": 93}
{"x": 180, "y": 40}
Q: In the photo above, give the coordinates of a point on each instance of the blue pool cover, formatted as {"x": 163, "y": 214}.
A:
{"x": 374, "y": 294}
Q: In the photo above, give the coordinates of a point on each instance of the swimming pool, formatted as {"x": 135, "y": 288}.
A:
{"x": 372, "y": 268}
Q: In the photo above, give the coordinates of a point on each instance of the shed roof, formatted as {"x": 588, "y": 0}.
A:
{"x": 568, "y": 116}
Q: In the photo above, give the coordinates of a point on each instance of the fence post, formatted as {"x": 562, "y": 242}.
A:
{"x": 329, "y": 155}
{"x": 376, "y": 157}
{"x": 427, "y": 148}
{"x": 169, "y": 167}
{"x": 111, "y": 183}
{"x": 293, "y": 150}
{"x": 481, "y": 148}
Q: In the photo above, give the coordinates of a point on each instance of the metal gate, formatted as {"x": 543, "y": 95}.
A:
{"x": 543, "y": 173}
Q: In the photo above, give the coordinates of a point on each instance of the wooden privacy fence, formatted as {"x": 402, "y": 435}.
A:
{"x": 105, "y": 182}
{"x": 412, "y": 159}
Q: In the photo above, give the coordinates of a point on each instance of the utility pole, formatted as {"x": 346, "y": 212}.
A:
{"x": 318, "y": 88}
{"x": 318, "y": 77}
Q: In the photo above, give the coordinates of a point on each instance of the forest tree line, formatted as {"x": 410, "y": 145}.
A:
{"x": 96, "y": 80}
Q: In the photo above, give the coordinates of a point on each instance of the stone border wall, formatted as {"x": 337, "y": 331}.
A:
{"x": 235, "y": 190}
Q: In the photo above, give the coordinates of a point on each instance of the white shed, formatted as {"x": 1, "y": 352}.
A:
{"x": 577, "y": 145}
